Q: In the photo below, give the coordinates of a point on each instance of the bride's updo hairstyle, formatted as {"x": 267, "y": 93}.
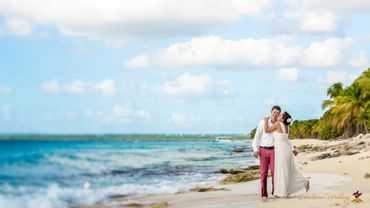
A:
{"x": 287, "y": 119}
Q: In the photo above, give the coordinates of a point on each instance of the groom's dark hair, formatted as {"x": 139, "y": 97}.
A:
{"x": 276, "y": 107}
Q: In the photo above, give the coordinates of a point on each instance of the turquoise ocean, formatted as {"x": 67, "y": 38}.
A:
{"x": 63, "y": 173}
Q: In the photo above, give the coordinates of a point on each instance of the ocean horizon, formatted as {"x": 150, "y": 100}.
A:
{"x": 118, "y": 136}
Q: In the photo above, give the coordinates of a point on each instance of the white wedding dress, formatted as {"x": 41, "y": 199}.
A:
{"x": 287, "y": 179}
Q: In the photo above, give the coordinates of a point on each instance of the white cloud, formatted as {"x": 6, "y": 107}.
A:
{"x": 321, "y": 21}
{"x": 76, "y": 87}
{"x": 359, "y": 60}
{"x": 314, "y": 21}
{"x": 117, "y": 20}
{"x": 288, "y": 74}
{"x": 324, "y": 15}
{"x": 215, "y": 51}
{"x": 189, "y": 86}
{"x": 5, "y": 90}
{"x": 180, "y": 119}
{"x": 337, "y": 76}
{"x": 281, "y": 51}
{"x": 18, "y": 27}
{"x": 138, "y": 62}
{"x": 326, "y": 53}
{"x": 106, "y": 87}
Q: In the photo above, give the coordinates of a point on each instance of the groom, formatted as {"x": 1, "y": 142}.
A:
{"x": 263, "y": 147}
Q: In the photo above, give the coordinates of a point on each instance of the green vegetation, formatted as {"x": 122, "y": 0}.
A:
{"x": 347, "y": 112}
{"x": 252, "y": 133}
{"x": 302, "y": 129}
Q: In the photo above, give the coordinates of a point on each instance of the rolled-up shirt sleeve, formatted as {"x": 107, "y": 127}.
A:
{"x": 257, "y": 137}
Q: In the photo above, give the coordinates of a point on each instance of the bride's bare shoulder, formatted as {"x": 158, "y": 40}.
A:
{"x": 279, "y": 128}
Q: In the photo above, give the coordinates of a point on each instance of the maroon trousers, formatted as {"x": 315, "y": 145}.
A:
{"x": 267, "y": 160}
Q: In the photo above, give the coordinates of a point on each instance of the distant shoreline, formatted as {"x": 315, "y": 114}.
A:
{"x": 121, "y": 137}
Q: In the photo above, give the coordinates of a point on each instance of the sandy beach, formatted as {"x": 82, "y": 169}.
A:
{"x": 336, "y": 169}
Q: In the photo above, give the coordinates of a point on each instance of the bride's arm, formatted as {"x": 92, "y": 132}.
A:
{"x": 269, "y": 129}
{"x": 294, "y": 150}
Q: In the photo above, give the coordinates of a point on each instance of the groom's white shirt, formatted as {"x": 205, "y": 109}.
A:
{"x": 261, "y": 138}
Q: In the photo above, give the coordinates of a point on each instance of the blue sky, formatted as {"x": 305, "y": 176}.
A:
{"x": 179, "y": 66}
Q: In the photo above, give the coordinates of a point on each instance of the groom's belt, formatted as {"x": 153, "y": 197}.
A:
{"x": 267, "y": 147}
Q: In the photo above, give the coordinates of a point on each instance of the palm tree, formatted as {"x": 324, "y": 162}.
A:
{"x": 335, "y": 90}
{"x": 347, "y": 112}
{"x": 347, "y": 106}
{"x": 325, "y": 128}
{"x": 364, "y": 82}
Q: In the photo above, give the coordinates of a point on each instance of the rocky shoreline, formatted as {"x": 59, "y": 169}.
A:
{"x": 328, "y": 149}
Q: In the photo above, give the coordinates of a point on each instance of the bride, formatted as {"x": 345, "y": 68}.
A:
{"x": 287, "y": 178}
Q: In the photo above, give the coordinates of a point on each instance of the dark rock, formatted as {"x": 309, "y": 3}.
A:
{"x": 335, "y": 154}
{"x": 347, "y": 148}
{"x": 326, "y": 155}
{"x": 154, "y": 205}
{"x": 208, "y": 189}
{"x": 134, "y": 205}
{"x": 238, "y": 171}
{"x": 248, "y": 175}
{"x": 224, "y": 171}
{"x": 302, "y": 148}
{"x": 239, "y": 149}
{"x": 253, "y": 167}
{"x": 232, "y": 171}
{"x": 367, "y": 175}
{"x": 310, "y": 148}
{"x": 117, "y": 196}
{"x": 322, "y": 156}
{"x": 242, "y": 175}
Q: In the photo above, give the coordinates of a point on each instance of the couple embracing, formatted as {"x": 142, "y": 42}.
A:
{"x": 272, "y": 146}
